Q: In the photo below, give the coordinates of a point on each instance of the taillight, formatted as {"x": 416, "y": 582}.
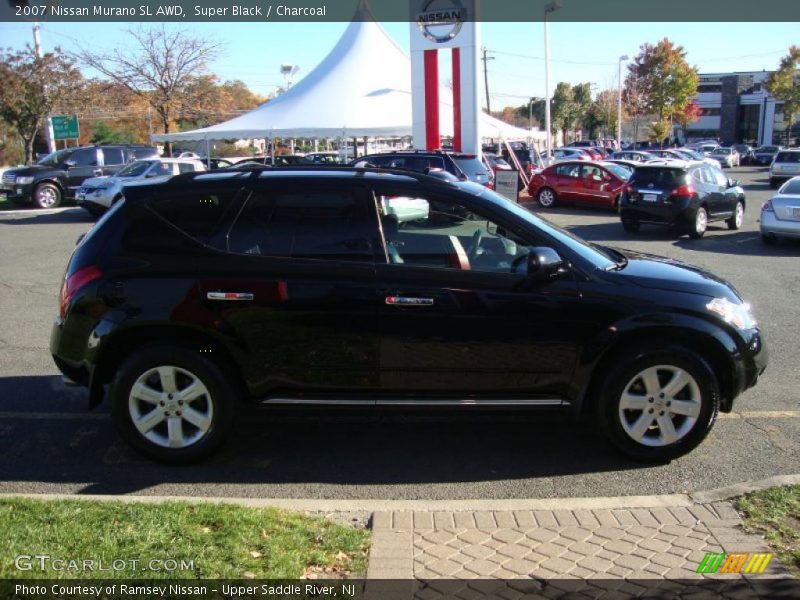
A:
{"x": 75, "y": 282}
{"x": 767, "y": 206}
{"x": 685, "y": 190}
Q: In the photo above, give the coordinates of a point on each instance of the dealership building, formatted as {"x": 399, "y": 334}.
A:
{"x": 736, "y": 107}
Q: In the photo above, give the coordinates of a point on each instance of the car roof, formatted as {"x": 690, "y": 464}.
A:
{"x": 670, "y": 164}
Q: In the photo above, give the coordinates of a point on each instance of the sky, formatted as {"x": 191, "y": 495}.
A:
{"x": 579, "y": 52}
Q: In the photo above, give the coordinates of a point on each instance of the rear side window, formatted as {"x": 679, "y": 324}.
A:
{"x": 791, "y": 187}
{"x": 667, "y": 178}
{"x": 85, "y": 158}
{"x": 186, "y": 168}
{"x": 113, "y": 156}
{"x": 140, "y": 153}
{"x": 568, "y": 170}
{"x": 319, "y": 224}
{"x": 199, "y": 214}
{"x": 788, "y": 157}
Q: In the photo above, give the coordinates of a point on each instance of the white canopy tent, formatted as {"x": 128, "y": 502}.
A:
{"x": 361, "y": 88}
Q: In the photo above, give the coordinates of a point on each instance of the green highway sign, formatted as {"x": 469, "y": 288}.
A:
{"x": 65, "y": 127}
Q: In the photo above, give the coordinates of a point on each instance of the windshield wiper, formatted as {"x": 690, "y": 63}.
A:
{"x": 620, "y": 261}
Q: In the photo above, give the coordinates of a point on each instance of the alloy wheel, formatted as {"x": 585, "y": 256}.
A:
{"x": 171, "y": 407}
{"x": 546, "y": 197}
{"x": 739, "y": 217}
{"x": 660, "y": 405}
{"x": 700, "y": 221}
{"x": 46, "y": 196}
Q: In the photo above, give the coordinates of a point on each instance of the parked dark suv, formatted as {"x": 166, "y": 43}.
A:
{"x": 686, "y": 195}
{"x": 462, "y": 165}
{"x": 58, "y": 175}
{"x": 304, "y": 286}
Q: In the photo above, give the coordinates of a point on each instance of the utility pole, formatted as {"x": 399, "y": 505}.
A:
{"x": 486, "y": 77}
{"x": 48, "y": 131}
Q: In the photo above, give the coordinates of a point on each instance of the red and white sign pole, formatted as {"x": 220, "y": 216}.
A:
{"x": 436, "y": 25}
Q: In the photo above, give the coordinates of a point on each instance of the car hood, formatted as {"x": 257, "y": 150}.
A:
{"x": 661, "y": 273}
{"x": 95, "y": 181}
{"x": 31, "y": 170}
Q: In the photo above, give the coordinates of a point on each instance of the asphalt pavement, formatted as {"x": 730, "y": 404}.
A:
{"x": 50, "y": 443}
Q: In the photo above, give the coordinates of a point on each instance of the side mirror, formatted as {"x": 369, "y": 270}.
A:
{"x": 733, "y": 183}
{"x": 544, "y": 263}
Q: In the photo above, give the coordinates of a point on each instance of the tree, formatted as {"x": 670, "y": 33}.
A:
{"x": 166, "y": 67}
{"x": 663, "y": 80}
{"x": 32, "y": 87}
{"x": 562, "y": 109}
{"x": 604, "y": 111}
{"x": 689, "y": 114}
{"x": 582, "y": 97}
{"x": 784, "y": 85}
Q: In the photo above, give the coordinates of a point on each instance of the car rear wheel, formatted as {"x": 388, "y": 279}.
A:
{"x": 736, "y": 221}
{"x": 171, "y": 404}
{"x": 546, "y": 197}
{"x": 631, "y": 225}
{"x": 47, "y": 195}
{"x": 700, "y": 224}
{"x": 659, "y": 404}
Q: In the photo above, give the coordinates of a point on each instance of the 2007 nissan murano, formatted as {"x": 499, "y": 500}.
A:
{"x": 376, "y": 287}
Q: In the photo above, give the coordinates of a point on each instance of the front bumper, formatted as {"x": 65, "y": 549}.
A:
{"x": 100, "y": 198}
{"x": 752, "y": 363}
{"x": 770, "y": 224}
{"x": 18, "y": 193}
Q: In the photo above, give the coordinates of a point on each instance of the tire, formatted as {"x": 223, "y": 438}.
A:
{"x": 736, "y": 221}
{"x": 633, "y": 430}
{"x": 546, "y": 197}
{"x": 631, "y": 225}
{"x": 47, "y": 195}
{"x": 212, "y": 403}
{"x": 698, "y": 228}
{"x": 770, "y": 239}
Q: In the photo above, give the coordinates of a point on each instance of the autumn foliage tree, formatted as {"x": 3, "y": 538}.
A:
{"x": 784, "y": 84}
{"x": 661, "y": 83}
{"x": 32, "y": 87}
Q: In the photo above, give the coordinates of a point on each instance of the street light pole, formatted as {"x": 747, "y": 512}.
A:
{"x": 619, "y": 101}
{"x": 549, "y": 8}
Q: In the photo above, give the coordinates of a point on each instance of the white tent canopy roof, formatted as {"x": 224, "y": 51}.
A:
{"x": 361, "y": 88}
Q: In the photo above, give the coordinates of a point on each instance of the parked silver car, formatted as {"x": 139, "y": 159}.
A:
{"x": 780, "y": 216}
{"x": 99, "y": 193}
{"x": 786, "y": 164}
{"x": 726, "y": 157}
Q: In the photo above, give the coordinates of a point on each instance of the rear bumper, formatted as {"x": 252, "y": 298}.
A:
{"x": 770, "y": 224}
{"x": 662, "y": 213}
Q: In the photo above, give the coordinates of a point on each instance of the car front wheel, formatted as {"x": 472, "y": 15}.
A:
{"x": 171, "y": 404}
{"x": 736, "y": 221}
{"x": 47, "y": 195}
{"x": 659, "y": 404}
{"x": 546, "y": 197}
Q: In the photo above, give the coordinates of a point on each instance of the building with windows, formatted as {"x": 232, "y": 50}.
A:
{"x": 736, "y": 108}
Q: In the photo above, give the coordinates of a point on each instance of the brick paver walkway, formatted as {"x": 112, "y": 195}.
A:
{"x": 603, "y": 544}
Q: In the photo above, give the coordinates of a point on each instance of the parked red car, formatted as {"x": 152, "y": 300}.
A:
{"x": 597, "y": 184}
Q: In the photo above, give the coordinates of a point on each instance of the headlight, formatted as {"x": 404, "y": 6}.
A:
{"x": 738, "y": 315}
{"x": 24, "y": 180}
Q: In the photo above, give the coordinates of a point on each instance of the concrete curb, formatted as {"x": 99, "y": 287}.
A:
{"x": 35, "y": 212}
{"x": 378, "y": 505}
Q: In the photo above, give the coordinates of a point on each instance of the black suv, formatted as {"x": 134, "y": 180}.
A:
{"x": 386, "y": 288}
{"x": 57, "y": 176}
{"x": 464, "y": 166}
{"x": 684, "y": 195}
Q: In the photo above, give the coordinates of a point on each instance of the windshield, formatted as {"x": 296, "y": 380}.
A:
{"x": 56, "y": 158}
{"x": 471, "y": 166}
{"x": 722, "y": 151}
{"x": 619, "y": 170}
{"x": 136, "y": 169}
{"x": 588, "y": 252}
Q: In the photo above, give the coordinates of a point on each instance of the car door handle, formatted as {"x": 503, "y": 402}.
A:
{"x": 230, "y": 296}
{"x": 98, "y": 172}
{"x": 408, "y": 301}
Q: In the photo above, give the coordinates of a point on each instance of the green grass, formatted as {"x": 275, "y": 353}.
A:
{"x": 223, "y": 541}
{"x": 775, "y": 514}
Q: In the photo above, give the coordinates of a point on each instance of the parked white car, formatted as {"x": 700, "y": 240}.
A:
{"x": 780, "y": 216}
{"x": 785, "y": 165}
{"x": 726, "y": 157}
{"x": 97, "y": 194}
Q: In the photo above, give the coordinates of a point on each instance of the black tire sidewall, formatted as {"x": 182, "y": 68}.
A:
{"x": 210, "y": 374}
{"x": 629, "y": 366}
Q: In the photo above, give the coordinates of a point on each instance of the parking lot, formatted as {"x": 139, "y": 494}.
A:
{"x": 51, "y": 443}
